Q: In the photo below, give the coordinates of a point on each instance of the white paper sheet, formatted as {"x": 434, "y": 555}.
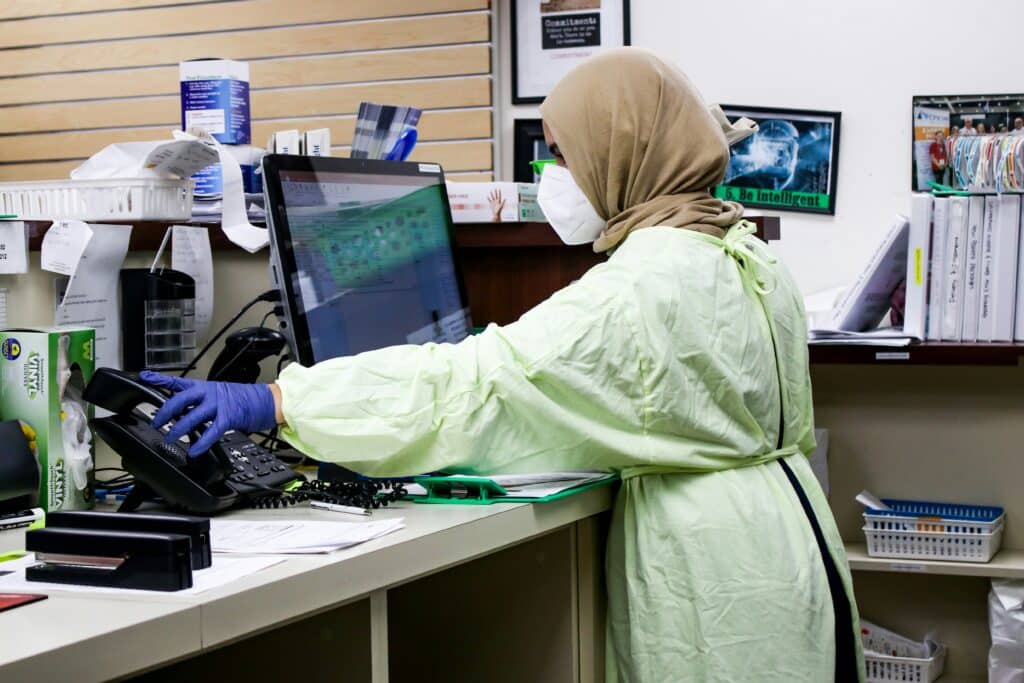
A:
{"x": 234, "y": 220}
{"x": 155, "y": 159}
{"x": 63, "y": 246}
{"x": 13, "y": 248}
{"x": 3, "y": 308}
{"x": 294, "y": 536}
{"x": 91, "y": 297}
{"x": 224, "y": 570}
{"x": 190, "y": 254}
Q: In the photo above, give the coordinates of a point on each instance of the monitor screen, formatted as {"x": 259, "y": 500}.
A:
{"x": 365, "y": 255}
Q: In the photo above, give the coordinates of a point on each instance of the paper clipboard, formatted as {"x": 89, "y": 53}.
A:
{"x": 465, "y": 490}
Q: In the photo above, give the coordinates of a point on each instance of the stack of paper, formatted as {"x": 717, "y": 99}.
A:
{"x": 883, "y": 336}
{"x": 294, "y": 536}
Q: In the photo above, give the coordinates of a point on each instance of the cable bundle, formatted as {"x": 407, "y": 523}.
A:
{"x": 988, "y": 163}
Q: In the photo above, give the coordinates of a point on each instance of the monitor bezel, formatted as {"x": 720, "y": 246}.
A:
{"x": 295, "y": 323}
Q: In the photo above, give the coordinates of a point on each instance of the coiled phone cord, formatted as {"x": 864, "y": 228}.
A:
{"x": 362, "y": 493}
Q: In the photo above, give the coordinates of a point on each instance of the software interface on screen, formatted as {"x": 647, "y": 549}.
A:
{"x": 373, "y": 261}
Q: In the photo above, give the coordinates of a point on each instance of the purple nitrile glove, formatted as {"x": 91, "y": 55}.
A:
{"x": 224, "y": 405}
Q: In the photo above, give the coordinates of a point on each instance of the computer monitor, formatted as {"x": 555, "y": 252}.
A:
{"x": 362, "y": 252}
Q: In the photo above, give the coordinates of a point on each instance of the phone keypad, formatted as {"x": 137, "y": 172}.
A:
{"x": 250, "y": 467}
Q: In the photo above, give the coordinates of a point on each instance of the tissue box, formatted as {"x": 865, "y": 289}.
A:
{"x": 35, "y": 364}
{"x": 472, "y": 202}
{"x": 215, "y": 97}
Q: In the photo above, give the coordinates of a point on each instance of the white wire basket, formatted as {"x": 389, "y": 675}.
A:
{"x": 883, "y": 668}
{"x": 154, "y": 199}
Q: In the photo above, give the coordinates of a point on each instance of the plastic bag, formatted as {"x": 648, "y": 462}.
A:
{"x": 1006, "y": 623}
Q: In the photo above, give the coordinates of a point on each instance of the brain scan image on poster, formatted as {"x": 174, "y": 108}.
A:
{"x": 789, "y": 164}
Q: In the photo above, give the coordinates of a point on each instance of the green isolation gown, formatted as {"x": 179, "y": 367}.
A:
{"x": 659, "y": 365}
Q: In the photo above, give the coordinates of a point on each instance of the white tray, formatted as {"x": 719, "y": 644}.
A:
{"x": 153, "y": 199}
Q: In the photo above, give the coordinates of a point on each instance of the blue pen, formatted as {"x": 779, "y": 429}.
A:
{"x": 403, "y": 146}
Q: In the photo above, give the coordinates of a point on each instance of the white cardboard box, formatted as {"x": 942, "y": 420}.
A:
{"x": 493, "y": 202}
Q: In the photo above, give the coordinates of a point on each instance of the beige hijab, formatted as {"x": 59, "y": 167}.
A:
{"x": 641, "y": 144}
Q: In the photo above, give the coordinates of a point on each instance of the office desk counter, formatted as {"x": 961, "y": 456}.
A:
{"x": 102, "y": 637}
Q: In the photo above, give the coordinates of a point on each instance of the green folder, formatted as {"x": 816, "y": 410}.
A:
{"x": 464, "y": 490}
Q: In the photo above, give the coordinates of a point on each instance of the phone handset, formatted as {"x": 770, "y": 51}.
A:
{"x": 161, "y": 469}
{"x": 235, "y": 467}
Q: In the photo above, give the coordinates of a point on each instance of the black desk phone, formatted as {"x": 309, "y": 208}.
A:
{"x": 233, "y": 470}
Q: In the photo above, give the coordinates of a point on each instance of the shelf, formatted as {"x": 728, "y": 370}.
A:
{"x": 1007, "y": 564}
{"x": 481, "y": 235}
{"x": 147, "y": 235}
{"x": 928, "y": 353}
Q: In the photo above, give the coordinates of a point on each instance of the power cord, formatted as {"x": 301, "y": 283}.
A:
{"x": 271, "y": 295}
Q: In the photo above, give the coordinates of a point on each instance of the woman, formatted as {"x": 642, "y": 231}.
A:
{"x": 680, "y": 363}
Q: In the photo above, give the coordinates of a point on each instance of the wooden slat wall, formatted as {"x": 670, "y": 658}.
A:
{"x": 76, "y": 75}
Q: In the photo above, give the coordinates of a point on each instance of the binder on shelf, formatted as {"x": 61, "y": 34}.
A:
{"x": 472, "y": 490}
{"x": 865, "y": 304}
{"x": 915, "y": 314}
{"x": 972, "y": 269}
{"x": 1018, "y": 323}
{"x": 953, "y": 272}
{"x": 986, "y": 327}
{"x": 1006, "y": 245}
{"x": 936, "y": 268}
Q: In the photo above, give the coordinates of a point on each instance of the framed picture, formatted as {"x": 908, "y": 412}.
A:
{"x": 937, "y": 118}
{"x": 549, "y": 37}
{"x": 529, "y": 145}
{"x": 790, "y": 164}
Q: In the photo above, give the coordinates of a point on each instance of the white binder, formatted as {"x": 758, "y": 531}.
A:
{"x": 915, "y": 314}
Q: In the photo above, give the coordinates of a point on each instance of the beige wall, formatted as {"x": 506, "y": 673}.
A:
{"x": 77, "y": 80}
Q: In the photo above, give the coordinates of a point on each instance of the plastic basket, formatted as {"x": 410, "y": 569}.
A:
{"x": 883, "y": 668}
{"x": 98, "y": 200}
{"x": 921, "y": 530}
{"x": 922, "y": 545}
{"x": 910, "y": 515}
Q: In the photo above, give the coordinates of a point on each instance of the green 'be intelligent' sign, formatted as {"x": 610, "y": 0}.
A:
{"x": 782, "y": 199}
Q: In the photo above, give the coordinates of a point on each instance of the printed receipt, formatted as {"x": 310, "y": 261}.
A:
{"x": 234, "y": 220}
{"x": 190, "y": 254}
{"x": 90, "y": 298}
{"x": 13, "y": 247}
{"x": 63, "y": 246}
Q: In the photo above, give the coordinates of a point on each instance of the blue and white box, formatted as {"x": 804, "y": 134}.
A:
{"x": 215, "y": 97}
{"x": 210, "y": 180}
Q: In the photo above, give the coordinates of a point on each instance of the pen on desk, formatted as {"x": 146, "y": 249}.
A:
{"x": 332, "y": 507}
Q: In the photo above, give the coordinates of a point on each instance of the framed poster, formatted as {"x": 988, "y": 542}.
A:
{"x": 940, "y": 118}
{"x": 790, "y": 164}
{"x": 550, "y": 37}
{"x": 529, "y": 145}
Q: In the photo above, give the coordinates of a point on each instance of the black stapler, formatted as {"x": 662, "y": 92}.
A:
{"x": 115, "y": 559}
{"x": 196, "y": 528}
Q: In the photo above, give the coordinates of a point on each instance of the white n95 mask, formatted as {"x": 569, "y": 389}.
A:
{"x": 567, "y": 209}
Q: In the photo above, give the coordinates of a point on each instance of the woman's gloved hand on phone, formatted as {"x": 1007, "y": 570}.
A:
{"x": 223, "y": 405}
